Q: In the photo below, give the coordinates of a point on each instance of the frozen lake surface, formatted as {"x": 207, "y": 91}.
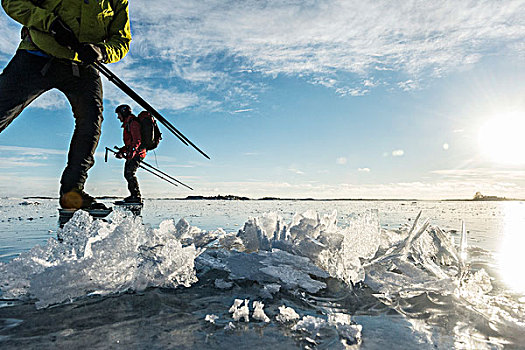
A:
{"x": 265, "y": 274}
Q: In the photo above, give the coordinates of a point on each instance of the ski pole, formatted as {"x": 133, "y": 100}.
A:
{"x": 163, "y": 173}
{"x": 127, "y": 90}
{"x": 152, "y": 172}
{"x": 174, "y": 184}
{"x": 140, "y": 166}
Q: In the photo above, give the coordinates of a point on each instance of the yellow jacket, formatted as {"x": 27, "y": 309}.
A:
{"x": 104, "y": 23}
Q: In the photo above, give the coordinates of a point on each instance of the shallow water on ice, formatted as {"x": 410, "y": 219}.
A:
{"x": 262, "y": 274}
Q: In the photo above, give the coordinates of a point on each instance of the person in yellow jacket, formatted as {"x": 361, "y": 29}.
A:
{"x": 60, "y": 41}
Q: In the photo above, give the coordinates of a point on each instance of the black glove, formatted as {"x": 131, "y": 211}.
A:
{"x": 63, "y": 34}
{"x": 90, "y": 53}
{"x": 121, "y": 152}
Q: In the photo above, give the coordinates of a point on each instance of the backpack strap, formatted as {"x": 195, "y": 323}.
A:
{"x": 131, "y": 120}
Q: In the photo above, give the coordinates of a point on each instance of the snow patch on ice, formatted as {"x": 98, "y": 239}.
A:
{"x": 315, "y": 327}
{"x": 286, "y": 314}
{"x": 230, "y": 326}
{"x": 238, "y": 310}
{"x": 258, "y": 312}
{"x": 211, "y": 318}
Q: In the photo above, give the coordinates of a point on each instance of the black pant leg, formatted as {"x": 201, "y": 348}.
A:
{"x": 85, "y": 96}
{"x": 21, "y": 82}
{"x": 130, "y": 169}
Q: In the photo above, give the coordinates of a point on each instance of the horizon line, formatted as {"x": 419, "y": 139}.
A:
{"x": 271, "y": 198}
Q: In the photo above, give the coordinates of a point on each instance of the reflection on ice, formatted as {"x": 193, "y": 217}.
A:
{"x": 511, "y": 256}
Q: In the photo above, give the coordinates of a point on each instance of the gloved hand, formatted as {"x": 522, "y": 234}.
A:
{"x": 63, "y": 34}
{"x": 90, "y": 53}
{"x": 119, "y": 155}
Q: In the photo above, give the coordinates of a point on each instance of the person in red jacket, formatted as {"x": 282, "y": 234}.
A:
{"x": 131, "y": 151}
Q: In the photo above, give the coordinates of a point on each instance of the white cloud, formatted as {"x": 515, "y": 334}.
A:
{"x": 296, "y": 171}
{"x": 9, "y": 36}
{"x": 195, "y": 72}
{"x": 159, "y": 97}
{"x": 16, "y": 162}
{"x": 481, "y": 174}
{"x": 50, "y": 100}
{"x": 346, "y": 91}
{"x": 398, "y": 153}
{"x": 13, "y": 157}
{"x": 364, "y": 170}
{"x": 341, "y": 160}
{"x": 179, "y": 166}
{"x": 217, "y": 49}
{"x": 31, "y": 151}
{"x": 17, "y": 186}
{"x": 408, "y": 85}
{"x": 446, "y": 146}
{"x": 309, "y": 37}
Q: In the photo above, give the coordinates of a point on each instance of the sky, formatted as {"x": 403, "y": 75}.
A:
{"x": 303, "y": 99}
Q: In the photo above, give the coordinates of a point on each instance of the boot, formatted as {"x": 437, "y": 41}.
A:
{"x": 133, "y": 199}
{"x": 78, "y": 199}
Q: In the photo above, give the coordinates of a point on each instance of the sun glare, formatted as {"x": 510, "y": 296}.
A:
{"x": 502, "y": 139}
{"x": 511, "y": 258}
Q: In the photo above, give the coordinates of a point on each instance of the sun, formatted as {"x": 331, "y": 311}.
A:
{"x": 502, "y": 139}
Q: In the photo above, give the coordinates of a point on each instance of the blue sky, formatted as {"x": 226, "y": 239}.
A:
{"x": 322, "y": 99}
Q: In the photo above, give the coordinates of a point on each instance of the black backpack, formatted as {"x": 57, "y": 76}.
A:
{"x": 149, "y": 131}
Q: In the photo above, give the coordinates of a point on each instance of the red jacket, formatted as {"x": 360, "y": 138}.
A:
{"x": 132, "y": 138}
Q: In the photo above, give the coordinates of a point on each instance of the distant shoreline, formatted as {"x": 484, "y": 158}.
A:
{"x": 240, "y": 198}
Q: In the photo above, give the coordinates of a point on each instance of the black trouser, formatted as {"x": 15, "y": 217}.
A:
{"x": 28, "y": 76}
{"x": 130, "y": 168}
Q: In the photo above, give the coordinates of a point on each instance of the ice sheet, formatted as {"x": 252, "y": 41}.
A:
{"x": 296, "y": 258}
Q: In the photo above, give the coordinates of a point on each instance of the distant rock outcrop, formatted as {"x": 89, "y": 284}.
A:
{"x": 219, "y": 197}
{"x": 479, "y": 197}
